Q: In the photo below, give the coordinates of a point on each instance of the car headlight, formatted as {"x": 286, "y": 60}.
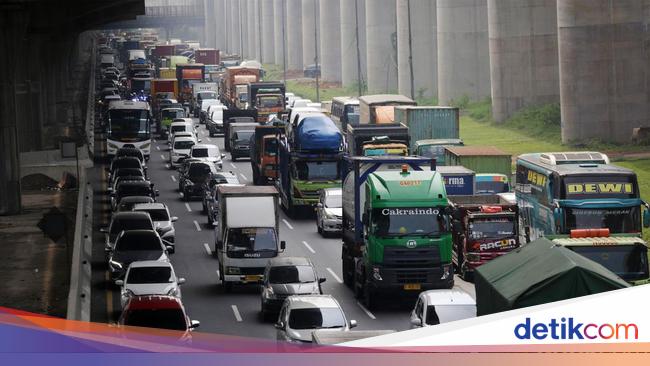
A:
{"x": 146, "y": 146}
{"x": 269, "y": 294}
{"x": 112, "y": 146}
{"x": 233, "y": 270}
{"x": 173, "y": 292}
{"x": 126, "y": 294}
{"x": 115, "y": 265}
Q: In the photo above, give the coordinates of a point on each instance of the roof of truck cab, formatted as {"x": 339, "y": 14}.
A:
{"x": 248, "y": 190}
{"x": 386, "y": 98}
{"x": 418, "y": 188}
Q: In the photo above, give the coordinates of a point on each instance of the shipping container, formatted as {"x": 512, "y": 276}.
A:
{"x": 426, "y": 123}
{"x": 177, "y": 60}
{"x": 459, "y": 181}
{"x": 207, "y": 56}
{"x": 480, "y": 159}
{"x": 163, "y": 50}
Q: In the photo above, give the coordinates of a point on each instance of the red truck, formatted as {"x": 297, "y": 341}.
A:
{"x": 484, "y": 227}
{"x": 207, "y": 56}
{"x": 164, "y": 50}
{"x": 235, "y": 83}
{"x": 187, "y": 75}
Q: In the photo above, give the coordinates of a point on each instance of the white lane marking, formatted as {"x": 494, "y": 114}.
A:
{"x": 309, "y": 247}
{"x": 243, "y": 176}
{"x": 233, "y": 166}
{"x": 370, "y": 315}
{"x": 287, "y": 223}
{"x": 187, "y": 206}
{"x": 207, "y": 249}
{"x": 236, "y": 312}
{"x": 173, "y": 178}
{"x": 162, "y": 157}
{"x": 198, "y": 227}
{"x": 180, "y": 194}
{"x": 158, "y": 148}
{"x": 334, "y": 275}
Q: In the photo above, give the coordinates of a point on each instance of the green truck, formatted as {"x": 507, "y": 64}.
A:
{"x": 396, "y": 232}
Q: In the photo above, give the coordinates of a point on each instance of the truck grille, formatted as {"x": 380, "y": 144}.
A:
{"x": 411, "y": 276}
{"x": 251, "y": 270}
{"x": 400, "y": 257}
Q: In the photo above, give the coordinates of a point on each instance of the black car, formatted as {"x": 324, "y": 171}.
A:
{"x": 191, "y": 181}
{"x": 130, "y": 151}
{"x": 123, "y": 162}
{"x": 240, "y": 144}
{"x": 132, "y": 188}
{"x": 286, "y": 276}
{"x": 124, "y": 172}
{"x": 210, "y": 192}
{"x": 136, "y": 245}
{"x": 312, "y": 71}
{"x": 127, "y": 203}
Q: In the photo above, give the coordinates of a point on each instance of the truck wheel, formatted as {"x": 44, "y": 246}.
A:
{"x": 357, "y": 286}
{"x": 210, "y": 219}
{"x": 466, "y": 275}
{"x": 227, "y": 287}
{"x": 348, "y": 279}
{"x": 369, "y": 299}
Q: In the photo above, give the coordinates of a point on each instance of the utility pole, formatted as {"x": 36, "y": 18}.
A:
{"x": 316, "y": 23}
{"x": 284, "y": 42}
{"x": 356, "y": 29}
{"x": 241, "y": 32}
{"x": 408, "y": 11}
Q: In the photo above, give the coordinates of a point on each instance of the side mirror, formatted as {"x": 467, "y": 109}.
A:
{"x": 180, "y": 281}
{"x": 170, "y": 249}
{"x": 194, "y": 324}
{"x": 119, "y": 282}
{"x": 416, "y": 321}
{"x": 279, "y": 325}
{"x": 223, "y": 156}
{"x": 646, "y": 218}
{"x": 156, "y": 192}
{"x": 174, "y": 219}
{"x": 103, "y": 230}
{"x": 321, "y": 280}
{"x": 199, "y": 140}
{"x": 353, "y": 323}
{"x": 319, "y": 205}
{"x": 283, "y": 245}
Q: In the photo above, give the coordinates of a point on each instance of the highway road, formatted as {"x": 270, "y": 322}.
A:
{"x": 235, "y": 313}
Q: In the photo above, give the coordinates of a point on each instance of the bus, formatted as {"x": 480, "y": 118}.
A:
{"x": 129, "y": 125}
{"x": 560, "y": 192}
{"x": 345, "y": 110}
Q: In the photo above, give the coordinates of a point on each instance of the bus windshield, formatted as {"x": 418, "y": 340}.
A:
{"x": 617, "y": 220}
{"x": 128, "y": 124}
{"x": 630, "y": 262}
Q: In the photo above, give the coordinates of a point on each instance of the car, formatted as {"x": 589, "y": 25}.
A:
{"x": 125, "y": 221}
{"x": 123, "y": 162}
{"x": 205, "y": 104}
{"x": 240, "y": 144}
{"x": 132, "y": 188}
{"x": 130, "y": 151}
{"x": 329, "y": 211}
{"x": 184, "y": 165}
{"x": 127, "y": 203}
{"x": 180, "y": 148}
{"x": 311, "y": 71}
{"x": 136, "y": 245}
{"x": 179, "y": 125}
{"x": 209, "y": 154}
{"x": 155, "y": 311}
{"x": 163, "y": 222}
{"x": 125, "y": 178}
{"x": 124, "y": 173}
{"x": 435, "y": 307}
{"x": 149, "y": 278}
{"x": 214, "y": 119}
{"x": 302, "y": 314}
{"x": 284, "y": 277}
{"x": 167, "y": 115}
{"x": 191, "y": 182}
{"x": 210, "y": 192}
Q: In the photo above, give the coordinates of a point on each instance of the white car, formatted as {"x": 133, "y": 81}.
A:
{"x": 180, "y": 149}
{"x": 434, "y": 307}
{"x": 205, "y": 105}
{"x": 163, "y": 222}
{"x": 149, "y": 278}
{"x": 301, "y": 315}
{"x": 329, "y": 211}
{"x": 209, "y": 153}
{"x": 180, "y": 126}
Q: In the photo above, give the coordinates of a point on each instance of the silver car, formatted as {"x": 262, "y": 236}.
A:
{"x": 434, "y": 307}
{"x": 329, "y": 211}
{"x": 163, "y": 222}
{"x": 149, "y": 278}
{"x": 303, "y": 314}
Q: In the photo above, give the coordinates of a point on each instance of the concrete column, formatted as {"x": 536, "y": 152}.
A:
{"x": 294, "y": 34}
{"x": 417, "y": 46}
{"x": 279, "y": 31}
{"x": 209, "y": 25}
{"x": 310, "y": 32}
{"x": 603, "y": 69}
{"x": 243, "y": 18}
{"x": 381, "y": 34}
{"x": 253, "y": 29}
{"x": 463, "y": 55}
{"x": 523, "y": 55}
{"x": 351, "y": 11}
{"x": 268, "y": 39}
{"x": 219, "y": 15}
{"x": 227, "y": 26}
{"x": 235, "y": 28}
{"x": 330, "y": 39}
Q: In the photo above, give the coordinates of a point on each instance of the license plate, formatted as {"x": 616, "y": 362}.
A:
{"x": 252, "y": 278}
{"x": 412, "y": 286}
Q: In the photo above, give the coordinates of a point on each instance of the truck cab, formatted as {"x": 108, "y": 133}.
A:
{"x": 435, "y": 148}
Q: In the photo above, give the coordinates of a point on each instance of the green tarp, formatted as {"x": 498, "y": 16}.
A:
{"x": 539, "y": 272}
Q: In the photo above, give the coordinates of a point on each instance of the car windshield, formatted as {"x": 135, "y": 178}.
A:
{"x": 209, "y": 152}
{"x": 183, "y": 145}
{"x": 492, "y": 228}
{"x": 145, "y": 275}
{"x": 173, "y": 113}
{"x": 126, "y": 205}
{"x": 617, "y": 220}
{"x": 128, "y": 172}
{"x": 316, "y": 318}
{"x": 251, "y": 240}
{"x": 158, "y": 214}
{"x": 630, "y": 262}
{"x": 317, "y": 170}
{"x": 172, "y": 319}
{"x": 199, "y": 170}
{"x": 133, "y": 190}
{"x": 179, "y": 128}
{"x": 449, "y": 313}
{"x": 334, "y": 201}
{"x": 291, "y": 274}
{"x": 420, "y": 221}
{"x": 129, "y": 224}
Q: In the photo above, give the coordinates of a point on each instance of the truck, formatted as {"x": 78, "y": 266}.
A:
{"x": 484, "y": 227}
{"x": 207, "y": 56}
{"x": 459, "y": 181}
{"x": 426, "y": 123}
{"x": 164, "y": 86}
{"x": 264, "y": 154}
{"x": 247, "y": 233}
{"x": 380, "y": 108}
{"x": 480, "y": 159}
{"x": 163, "y": 50}
{"x": 310, "y": 157}
{"x": 188, "y": 75}
{"x": 435, "y": 148}
{"x": 237, "y": 77}
{"x": 396, "y": 237}
{"x": 235, "y": 116}
{"x": 372, "y": 140}
{"x": 202, "y": 91}
{"x": 267, "y": 97}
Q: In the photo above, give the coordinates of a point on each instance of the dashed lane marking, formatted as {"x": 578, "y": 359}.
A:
{"x": 334, "y": 275}
{"x": 207, "y": 248}
{"x": 287, "y": 223}
{"x": 236, "y": 312}
{"x": 309, "y": 247}
{"x": 196, "y": 224}
{"x": 187, "y": 206}
{"x": 370, "y": 315}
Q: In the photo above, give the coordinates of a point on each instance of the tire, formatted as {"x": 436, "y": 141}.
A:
{"x": 348, "y": 279}
{"x": 210, "y": 221}
{"x": 233, "y": 157}
{"x": 319, "y": 229}
{"x": 204, "y": 209}
{"x": 186, "y": 197}
{"x": 369, "y": 299}
{"x": 227, "y": 287}
{"x": 357, "y": 287}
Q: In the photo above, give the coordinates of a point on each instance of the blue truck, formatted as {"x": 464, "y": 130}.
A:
{"x": 459, "y": 181}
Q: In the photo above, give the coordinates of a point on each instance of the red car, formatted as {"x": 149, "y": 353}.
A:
{"x": 155, "y": 311}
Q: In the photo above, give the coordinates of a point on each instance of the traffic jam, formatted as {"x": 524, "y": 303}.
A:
{"x": 235, "y": 205}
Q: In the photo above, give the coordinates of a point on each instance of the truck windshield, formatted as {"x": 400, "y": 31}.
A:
{"x": 272, "y": 101}
{"x": 270, "y": 147}
{"x": 128, "y": 124}
{"x": 630, "y": 262}
{"x": 317, "y": 170}
{"x": 492, "y": 228}
{"x": 173, "y": 114}
{"x": 251, "y": 240}
{"x": 408, "y": 221}
{"x": 617, "y": 220}
{"x": 207, "y": 95}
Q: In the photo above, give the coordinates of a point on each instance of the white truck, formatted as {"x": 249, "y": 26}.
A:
{"x": 246, "y": 233}
{"x": 200, "y": 92}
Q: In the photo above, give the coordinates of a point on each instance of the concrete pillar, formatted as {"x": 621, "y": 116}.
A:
{"x": 235, "y": 28}
{"x": 294, "y": 34}
{"x": 227, "y": 26}
{"x": 243, "y": 18}
{"x": 523, "y": 55}
{"x": 381, "y": 46}
{"x": 603, "y": 69}
{"x": 209, "y": 33}
{"x": 268, "y": 39}
{"x": 351, "y": 12}
{"x": 220, "y": 24}
{"x": 330, "y": 40}
{"x": 463, "y": 55}
{"x": 279, "y": 31}
{"x": 310, "y": 32}
{"x": 253, "y": 29}
{"x": 417, "y": 46}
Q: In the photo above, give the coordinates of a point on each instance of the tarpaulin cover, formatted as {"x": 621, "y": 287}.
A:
{"x": 318, "y": 133}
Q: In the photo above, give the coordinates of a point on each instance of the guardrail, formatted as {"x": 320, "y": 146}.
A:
{"x": 80, "y": 268}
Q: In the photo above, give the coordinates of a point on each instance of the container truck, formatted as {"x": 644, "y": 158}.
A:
{"x": 427, "y": 123}
{"x": 481, "y": 159}
{"x": 459, "y": 181}
{"x": 309, "y": 160}
{"x": 164, "y": 86}
{"x": 163, "y": 50}
{"x": 484, "y": 227}
{"x": 246, "y": 233}
{"x": 188, "y": 75}
{"x": 396, "y": 235}
{"x": 207, "y": 56}
{"x": 234, "y": 77}
{"x": 264, "y": 154}
{"x": 373, "y": 140}
{"x": 377, "y": 109}
{"x": 167, "y": 73}
{"x": 435, "y": 148}
{"x": 267, "y": 97}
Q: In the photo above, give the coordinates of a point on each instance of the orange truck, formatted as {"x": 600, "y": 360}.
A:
{"x": 264, "y": 154}
{"x": 235, "y": 84}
